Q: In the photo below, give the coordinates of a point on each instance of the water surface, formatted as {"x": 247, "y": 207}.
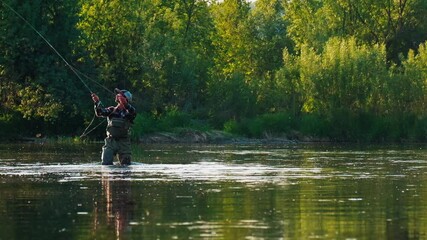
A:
{"x": 214, "y": 192}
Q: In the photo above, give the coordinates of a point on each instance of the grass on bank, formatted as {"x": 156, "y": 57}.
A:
{"x": 337, "y": 127}
{"x": 340, "y": 126}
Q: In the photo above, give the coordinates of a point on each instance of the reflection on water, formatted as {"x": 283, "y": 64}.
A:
{"x": 214, "y": 192}
{"x": 117, "y": 206}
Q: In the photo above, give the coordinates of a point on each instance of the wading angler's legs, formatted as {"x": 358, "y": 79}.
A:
{"x": 124, "y": 147}
{"x": 107, "y": 152}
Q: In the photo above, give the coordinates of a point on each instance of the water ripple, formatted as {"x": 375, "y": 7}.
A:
{"x": 200, "y": 171}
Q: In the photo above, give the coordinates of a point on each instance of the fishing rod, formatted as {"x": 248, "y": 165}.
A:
{"x": 73, "y": 69}
{"x": 49, "y": 44}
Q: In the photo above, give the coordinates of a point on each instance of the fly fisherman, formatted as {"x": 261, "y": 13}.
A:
{"x": 119, "y": 120}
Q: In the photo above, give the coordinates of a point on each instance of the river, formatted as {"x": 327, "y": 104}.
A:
{"x": 290, "y": 191}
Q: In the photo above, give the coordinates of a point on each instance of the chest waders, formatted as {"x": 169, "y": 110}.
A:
{"x": 117, "y": 141}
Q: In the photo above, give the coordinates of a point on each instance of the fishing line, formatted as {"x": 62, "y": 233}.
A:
{"x": 73, "y": 69}
{"x": 50, "y": 45}
{"x": 94, "y": 81}
{"x": 86, "y": 131}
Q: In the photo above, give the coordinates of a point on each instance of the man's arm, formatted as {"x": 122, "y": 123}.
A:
{"x": 131, "y": 112}
{"x": 100, "y": 111}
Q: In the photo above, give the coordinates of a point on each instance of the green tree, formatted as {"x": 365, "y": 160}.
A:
{"x": 266, "y": 42}
{"x": 307, "y": 23}
{"x": 34, "y": 80}
{"x": 288, "y": 92}
{"x": 229, "y": 92}
{"x": 159, "y": 48}
{"x": 400, "y": 25}
{"x": 344, "y": 76}
{"x": 112, "y": 34}
{"x": 408, "y": 93}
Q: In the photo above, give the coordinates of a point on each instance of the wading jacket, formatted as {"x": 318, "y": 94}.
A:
{"x": 118, "y": 121}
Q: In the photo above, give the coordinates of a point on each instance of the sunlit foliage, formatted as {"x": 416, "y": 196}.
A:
{"x": 324, "y": 68}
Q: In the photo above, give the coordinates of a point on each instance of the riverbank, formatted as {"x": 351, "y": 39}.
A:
{"x": 192, "y": 136}
{"x": 221, "y": 137}
{"x": 182, "y": 136}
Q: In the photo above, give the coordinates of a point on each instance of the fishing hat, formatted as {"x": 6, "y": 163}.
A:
{"x": 125, "y": 93}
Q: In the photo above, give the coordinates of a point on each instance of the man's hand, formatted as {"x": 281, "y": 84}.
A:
{"x": 95, "y": 98}
{"x": 121, "y": 99}
{"x": 120, "y": 106}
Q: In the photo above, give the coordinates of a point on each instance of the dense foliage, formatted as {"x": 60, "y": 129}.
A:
{"x": 345, "y": 70}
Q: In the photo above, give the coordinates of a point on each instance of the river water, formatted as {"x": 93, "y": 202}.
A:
{"x": 294, "y": 191}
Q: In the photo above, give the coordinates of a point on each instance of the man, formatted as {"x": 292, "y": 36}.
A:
{"x": 119, "y": 120}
